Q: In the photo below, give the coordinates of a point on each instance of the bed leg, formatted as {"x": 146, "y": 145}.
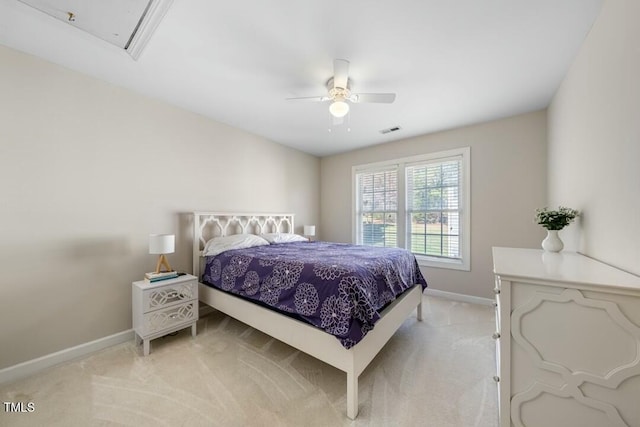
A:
{"x": 419, "y": 310}
{"x": 352, "y": 395}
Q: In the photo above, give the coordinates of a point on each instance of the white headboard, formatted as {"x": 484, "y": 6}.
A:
{"x": 207, "y": 225}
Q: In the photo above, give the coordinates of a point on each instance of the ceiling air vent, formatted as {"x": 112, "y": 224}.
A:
{"x": 389, "y": 130}
{"x": 127, "y": 24}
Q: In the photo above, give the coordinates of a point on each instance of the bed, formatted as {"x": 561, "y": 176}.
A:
{"x": 348, "y": 345}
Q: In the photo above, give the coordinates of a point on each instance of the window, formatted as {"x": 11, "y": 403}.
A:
{"x": 433, "y": 208}
{"x": 420, "y": 203}
{"x": 378, "y": 207}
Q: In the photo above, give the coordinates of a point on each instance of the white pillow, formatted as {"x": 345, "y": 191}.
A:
{"x": 283, "y": 237}
{"x": 217, "y": 245}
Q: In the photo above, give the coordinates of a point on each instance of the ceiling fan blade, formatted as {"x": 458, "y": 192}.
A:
{"x": 385, "y": 98}
{"x": 340, "y": 73}
{"x": 309, "y": 98}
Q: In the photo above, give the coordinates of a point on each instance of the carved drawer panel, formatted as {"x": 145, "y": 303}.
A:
{"x": 166, "y": 318}
{"x": 167, "y": 296}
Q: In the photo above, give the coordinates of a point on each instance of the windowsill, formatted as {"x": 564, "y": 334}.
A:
{"x": 450, "y": 264}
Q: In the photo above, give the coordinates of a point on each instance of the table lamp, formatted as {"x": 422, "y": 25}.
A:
{"x": 309, "y": 231}
{"x": 162, "y": 244}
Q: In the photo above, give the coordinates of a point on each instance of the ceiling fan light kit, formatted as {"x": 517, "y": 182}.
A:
{"x": 339, "y": 108}
{"x": 339, "y": 92}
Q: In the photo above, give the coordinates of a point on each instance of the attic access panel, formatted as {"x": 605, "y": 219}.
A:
{"x": 127, "y": 24}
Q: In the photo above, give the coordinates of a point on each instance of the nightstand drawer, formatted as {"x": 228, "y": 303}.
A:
{"x": 166, "y": 296}
{"x": 166, "y": 318}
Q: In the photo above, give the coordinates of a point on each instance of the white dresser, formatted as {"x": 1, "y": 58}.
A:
{"x": 163, "y": 307}
{"x": 567, "y": 341}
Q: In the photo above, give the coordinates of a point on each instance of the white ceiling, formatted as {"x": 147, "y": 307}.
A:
{"x": 451, "y": 63}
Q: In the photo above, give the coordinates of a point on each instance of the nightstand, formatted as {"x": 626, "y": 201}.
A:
{"x": 163, "y": 307}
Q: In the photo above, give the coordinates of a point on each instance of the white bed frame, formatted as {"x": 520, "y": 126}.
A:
{"x": 295, "y": 333}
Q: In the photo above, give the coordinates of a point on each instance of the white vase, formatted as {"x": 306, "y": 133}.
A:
{"x": 552, "y": 242}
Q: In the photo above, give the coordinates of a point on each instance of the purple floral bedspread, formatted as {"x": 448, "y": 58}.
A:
{"x": 337, "y": 287}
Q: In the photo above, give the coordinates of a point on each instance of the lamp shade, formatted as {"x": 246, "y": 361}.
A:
{"x": 309, "y": 230}
{"x": 162, "y": 243}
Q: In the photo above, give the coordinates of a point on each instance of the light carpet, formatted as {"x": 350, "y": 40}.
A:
{"x": 432, "y": 373}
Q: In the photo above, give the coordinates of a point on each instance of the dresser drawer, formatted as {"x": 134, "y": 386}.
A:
{"x": 167, "y": 296}
{"x": 496, "y": 304}
{"x": 169, "y": 317}
{"x": 497, "y": 378}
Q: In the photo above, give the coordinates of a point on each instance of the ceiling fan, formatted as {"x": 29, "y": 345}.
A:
{"x": 339, "y": 92}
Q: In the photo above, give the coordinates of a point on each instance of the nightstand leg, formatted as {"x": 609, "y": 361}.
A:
{"x": 146, "y": 347}
{"x": 193, "y": 330}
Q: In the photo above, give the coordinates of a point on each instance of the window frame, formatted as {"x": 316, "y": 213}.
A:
{"x": 402, "y": 238}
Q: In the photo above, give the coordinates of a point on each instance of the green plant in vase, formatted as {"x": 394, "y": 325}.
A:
{"x": 554, "y": 221}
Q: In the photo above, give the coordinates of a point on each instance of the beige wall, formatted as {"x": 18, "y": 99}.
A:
{"x": 508, "y": 181}
{"x": 88, "y": 170}
{"x": 594, "y": 140}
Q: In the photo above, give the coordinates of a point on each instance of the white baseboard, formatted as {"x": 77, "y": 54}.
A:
{"x": 459, "y": 297}
{"x": 30, "y": 367}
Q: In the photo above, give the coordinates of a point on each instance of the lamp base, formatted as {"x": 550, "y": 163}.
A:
{"x": 162, "y": 262}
